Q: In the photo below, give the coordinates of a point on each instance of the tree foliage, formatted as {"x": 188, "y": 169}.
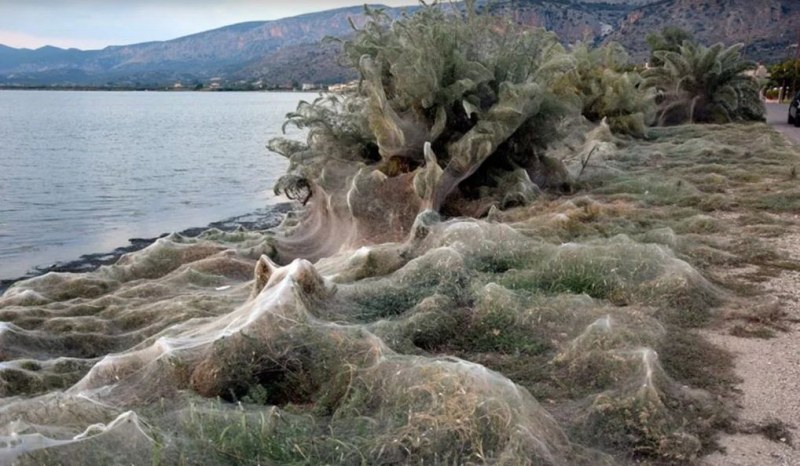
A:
{"x": 699, "y": 84}
{"x": 485, "y": 95}
{"x": 455, "y": 112}
{"x": 785, "y": 74}
{"x": 669, "y": 39}
{"x": 608, "y": 91}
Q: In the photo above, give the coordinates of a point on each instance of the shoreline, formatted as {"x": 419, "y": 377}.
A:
{"x": 153, "y": 89}
{"x": 260, "y": 219}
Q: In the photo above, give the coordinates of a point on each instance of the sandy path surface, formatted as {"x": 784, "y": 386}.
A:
{"x": 770, "y": 374}
{"x": 769, "y": 369}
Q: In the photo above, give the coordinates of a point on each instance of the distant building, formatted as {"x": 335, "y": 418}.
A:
{"x": 309, "y": 87}
{"x": 342, "y": 88}
{"x": 761, "y": 74}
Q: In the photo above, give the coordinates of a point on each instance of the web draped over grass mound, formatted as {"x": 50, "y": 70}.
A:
{"x": 556, "y": 333}
{"x": 496, "y": 262}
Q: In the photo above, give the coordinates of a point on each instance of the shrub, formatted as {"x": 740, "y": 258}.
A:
{"x": 607, "y": 91}
{"x": 485, "y": 95}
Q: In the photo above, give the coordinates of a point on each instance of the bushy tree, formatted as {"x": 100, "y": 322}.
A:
{"x": 458, "y": 99}
{"x": 784, "y": 75}
{"x": 699, "y": 84}
{"x": 608, "y": 91}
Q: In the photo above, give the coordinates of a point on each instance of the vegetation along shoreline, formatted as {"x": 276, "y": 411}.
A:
{"x": 502, "y": 250}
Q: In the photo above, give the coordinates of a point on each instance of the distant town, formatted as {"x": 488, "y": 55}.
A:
{"x": 213, "y": 85}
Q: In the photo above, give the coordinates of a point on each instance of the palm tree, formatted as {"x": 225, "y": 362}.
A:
{"x": 669, "y": 38}
{"x": 701, "y": 84}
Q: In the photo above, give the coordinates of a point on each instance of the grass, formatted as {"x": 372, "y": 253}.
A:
{"x": 498, "y": 332}
{"x": 771, "y": 429}
{"x": 748, "y": 331}
{"x": 694, "y": 362}
{"x": 587, "y": 301}
{"x": 779, "y": 202}
{"x": 28, "y": 377}
{"x": 243, "y": 437}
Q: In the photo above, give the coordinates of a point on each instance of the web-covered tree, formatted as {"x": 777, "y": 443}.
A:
{"x": 609, "y": 90}
{"x": 453, "y": 113}
{"x": 699, "y": 84}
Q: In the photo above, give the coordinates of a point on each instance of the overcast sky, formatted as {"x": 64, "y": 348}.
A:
{"x": 94, "y": 24}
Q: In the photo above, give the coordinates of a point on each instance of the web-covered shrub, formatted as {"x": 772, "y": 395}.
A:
{"x": 608, "y": 91}
{"x": 484, "y": 94}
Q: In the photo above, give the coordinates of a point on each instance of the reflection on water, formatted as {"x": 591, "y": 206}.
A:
{"x": 83, "y": 172}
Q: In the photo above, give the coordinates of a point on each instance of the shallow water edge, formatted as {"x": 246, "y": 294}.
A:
{"x": 260, "y": 219}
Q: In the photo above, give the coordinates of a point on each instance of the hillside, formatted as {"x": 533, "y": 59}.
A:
{"x": 220, "y": 52}
{"x": 766, "y": 27}
{"x": 305, "y": 63}
{"x": 572, "y": 21}
{"x": 280, "y": 52}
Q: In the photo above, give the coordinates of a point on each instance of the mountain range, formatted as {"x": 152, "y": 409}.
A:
{"x": 289, "y": 51}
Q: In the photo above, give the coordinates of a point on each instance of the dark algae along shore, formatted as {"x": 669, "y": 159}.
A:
{"x": 494, "y": 258}
{"x": 262, "y": 219}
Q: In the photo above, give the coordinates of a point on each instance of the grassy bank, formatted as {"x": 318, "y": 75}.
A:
{"x": 562, "y": 332}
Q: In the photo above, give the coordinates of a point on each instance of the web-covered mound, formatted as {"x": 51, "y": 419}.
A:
{"x": 425, "y": 352}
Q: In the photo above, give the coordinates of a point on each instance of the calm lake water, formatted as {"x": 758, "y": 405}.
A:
{"x": 82, "y": 172}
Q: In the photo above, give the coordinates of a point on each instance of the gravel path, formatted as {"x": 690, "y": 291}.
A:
{"x": 769, "y": 369}
{"x": 770, "y": 373}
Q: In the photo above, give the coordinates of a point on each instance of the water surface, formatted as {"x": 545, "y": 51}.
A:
{"x": 83, "y": 172}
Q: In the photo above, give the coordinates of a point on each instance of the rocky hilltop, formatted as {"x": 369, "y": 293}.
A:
{"x": 572, "y": 21}
{"x": 766, "y": 27}
{"x": 288, "y": 51}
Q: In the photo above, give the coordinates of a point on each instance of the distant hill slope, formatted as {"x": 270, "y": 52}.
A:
{"x": 571, "y": 20}
{"x": 225, "y": 51}
{"x": 766, "y": 27}
{"x": 284, "y": 51}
